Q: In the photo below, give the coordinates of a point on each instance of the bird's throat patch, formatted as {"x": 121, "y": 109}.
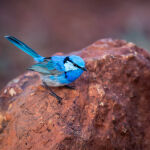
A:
{"x": 69, "y": 66}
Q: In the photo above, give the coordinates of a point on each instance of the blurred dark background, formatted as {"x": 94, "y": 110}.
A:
{"x": 51, "y": 26}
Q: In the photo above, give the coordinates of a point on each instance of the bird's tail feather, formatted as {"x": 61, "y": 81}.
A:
{"x": 24, "y": 48}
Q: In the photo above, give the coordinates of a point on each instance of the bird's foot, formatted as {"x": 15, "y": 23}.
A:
{"x": 56, "y": 96}
{"x": 53, "y": 93}
{"x": 70, "y": 87}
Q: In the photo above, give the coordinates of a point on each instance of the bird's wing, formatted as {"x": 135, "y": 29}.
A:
{"x": 46, "y": 67}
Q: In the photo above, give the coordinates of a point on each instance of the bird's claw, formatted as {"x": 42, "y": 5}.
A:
{"x": 58, "y": 98}
{"x": 71, "y": 87}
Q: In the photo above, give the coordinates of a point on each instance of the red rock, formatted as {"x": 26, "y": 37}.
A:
{"x": 109, "y": 109}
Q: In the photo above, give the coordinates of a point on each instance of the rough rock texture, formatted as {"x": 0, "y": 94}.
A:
{"x": 109, "y": 110}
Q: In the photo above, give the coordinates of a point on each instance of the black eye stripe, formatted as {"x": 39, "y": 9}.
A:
{"x": 75, "y": 65}
{"x": 66, "y": 59}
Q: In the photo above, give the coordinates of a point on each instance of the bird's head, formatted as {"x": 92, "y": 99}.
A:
{"x": 74, "y": 62}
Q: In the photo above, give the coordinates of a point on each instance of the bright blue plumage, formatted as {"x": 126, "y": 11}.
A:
{"x": 55, "y": 70}
{"x": 25, "y": 48}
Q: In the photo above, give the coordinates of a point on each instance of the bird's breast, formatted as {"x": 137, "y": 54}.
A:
{"x": 73, "y": 75}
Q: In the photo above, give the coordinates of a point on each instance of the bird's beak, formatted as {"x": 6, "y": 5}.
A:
{"x": 84, "y": 69}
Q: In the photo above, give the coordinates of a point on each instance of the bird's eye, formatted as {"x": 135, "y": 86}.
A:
{"x": 75, "y": 65}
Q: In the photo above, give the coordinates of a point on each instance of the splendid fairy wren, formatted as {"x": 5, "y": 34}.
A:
{"x": 54, "y": 71}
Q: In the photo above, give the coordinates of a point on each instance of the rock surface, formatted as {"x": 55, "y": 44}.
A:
{"x": 109, "y": 110}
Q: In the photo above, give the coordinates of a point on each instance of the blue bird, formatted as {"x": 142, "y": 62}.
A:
{"x": 54, "y": 71}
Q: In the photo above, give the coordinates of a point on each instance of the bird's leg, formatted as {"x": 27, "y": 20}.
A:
{"x": 53, "y": 93}
{"x": 70, "y": 87}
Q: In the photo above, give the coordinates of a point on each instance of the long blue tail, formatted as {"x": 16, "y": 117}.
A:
{"x": 25, "y": 48}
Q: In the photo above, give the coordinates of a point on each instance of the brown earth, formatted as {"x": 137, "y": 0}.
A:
{"x": 109, "y": 110}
